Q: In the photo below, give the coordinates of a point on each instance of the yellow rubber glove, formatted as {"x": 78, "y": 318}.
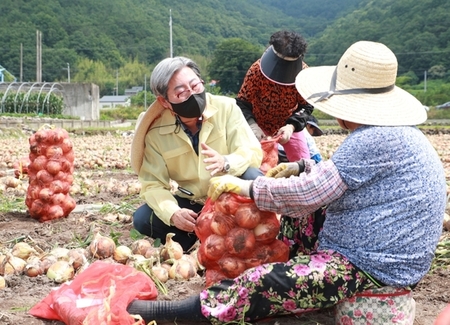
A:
{"x": 227, "y": 183}
{"x": 284, "y": 170}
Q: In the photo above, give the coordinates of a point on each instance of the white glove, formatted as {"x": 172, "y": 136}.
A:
{"x": 228, "y": 183}
{"x": 257, "y": 131}
{"x": 286, "y": 133}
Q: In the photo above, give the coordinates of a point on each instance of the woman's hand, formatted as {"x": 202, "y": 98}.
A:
{"x": 286, "y": 133}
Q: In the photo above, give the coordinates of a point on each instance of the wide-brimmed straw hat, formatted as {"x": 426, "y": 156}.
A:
{"x": 281, "y": 70}
{"x": 361, "y": 88}
{"x": 143, "y": 123}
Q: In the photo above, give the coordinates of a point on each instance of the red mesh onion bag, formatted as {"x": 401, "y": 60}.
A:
{"x": 50, "y": 175}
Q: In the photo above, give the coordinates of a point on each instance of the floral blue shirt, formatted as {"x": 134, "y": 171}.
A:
{"x": 386, "y": 195}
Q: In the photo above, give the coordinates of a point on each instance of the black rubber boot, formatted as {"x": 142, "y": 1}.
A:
{"x": 182, "y": 310}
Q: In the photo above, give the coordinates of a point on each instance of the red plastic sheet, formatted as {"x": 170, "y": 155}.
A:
{"x": 98, "y": 295}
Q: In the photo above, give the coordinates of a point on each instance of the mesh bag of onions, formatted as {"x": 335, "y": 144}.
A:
{"x": 50, "y": 174}
{"x": 269, "y": 147}
{"x": 235, "y": 235}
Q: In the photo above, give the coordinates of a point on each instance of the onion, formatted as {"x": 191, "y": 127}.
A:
{"x": 44, "y": 177}
{"x": 203, "y": 225}
{"x": 102, "y": 247}
{"x": 161, "y": 273}
{"x": 247, "y": 216}
{"x": 57, "y": 186}
{"x": 12, "y": 265}
{"x": 153, "y": 252}
{"x": 38, "y": 164}
{"x": 279, "y": 251}
{"x": 240, "y": 242}
{"x": 47, "y": 261}
{"x": 60, "y": 271}
{"x": 191, "y": 259}
{"x": 231, "y": 266}
{"x": 60, "y": 253}
{"x": 33, "y": 268}
{"x": 54, "y": 152}
{"x": 171, "y": 249}
{"x": 68, "y": 205}
{"x": 268, "y": 229}
{"x": 222, "y": 223}
{"x": 23, "y": 250}
{"x": 226, "y": 203}
{"x": 135, "y": 259}
{"x": 54, "y": 212}
{"x": 214, "y": 247}
{"x": 37, "y": 208}
{"x": 182, "y": 270}
{"x": 42, "y": 135}
{"x": 53, "y": 166}
{"x": 45, "y": 194}
{"x": 77, "y": 257}
{"x": 66, "y": 145}
{"x": 213, "y": 276}
{"x": 122, "y": 253}
{"x": 140, "y": 246}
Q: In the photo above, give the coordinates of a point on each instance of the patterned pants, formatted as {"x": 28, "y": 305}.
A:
{"x": 310, "y": 280}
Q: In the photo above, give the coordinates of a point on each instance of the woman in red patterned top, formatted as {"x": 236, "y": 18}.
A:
{"x": 268, "y": 98}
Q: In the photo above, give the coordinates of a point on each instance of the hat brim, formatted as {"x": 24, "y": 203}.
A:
{"x": 143, "y": 123}
{"x": 317, "y": 130}
{"x": 392, "y": 108}
{"x": 279, "y": 70}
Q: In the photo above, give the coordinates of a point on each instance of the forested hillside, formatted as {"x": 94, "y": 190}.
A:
{"x": 100, "y": 38}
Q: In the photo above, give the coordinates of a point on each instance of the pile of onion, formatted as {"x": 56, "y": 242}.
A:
{"x": 235, "y": 235}
{"x": 50, "y": 175}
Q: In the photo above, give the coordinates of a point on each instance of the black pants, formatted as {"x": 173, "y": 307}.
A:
{"x": 147, "y": 223}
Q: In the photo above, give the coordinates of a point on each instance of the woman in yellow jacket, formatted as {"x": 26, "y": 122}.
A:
{"x": 185, "y": 137}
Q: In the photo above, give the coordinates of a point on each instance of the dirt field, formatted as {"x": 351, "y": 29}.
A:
{"x": 103, "y": 178}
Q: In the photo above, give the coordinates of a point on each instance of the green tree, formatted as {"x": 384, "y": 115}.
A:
{"x": 230, "y": 63}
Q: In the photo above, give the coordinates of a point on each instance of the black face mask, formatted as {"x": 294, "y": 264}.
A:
{"x": 192, "y": 107}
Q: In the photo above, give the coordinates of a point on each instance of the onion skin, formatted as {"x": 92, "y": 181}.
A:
{"x": 247, "y": 216}
{"x": 12, "y": 265}
{"x": 171, "y": 249}
{"x": 102, "y": 247}
{"x": 214, "y": 247}
{"x": 182, "y": 270}
{"x": 33, "y": 268}
{"x": 161, "y": 273}
{"x": 60, "y": 271}
{"x": 203, "y": 226}
{"x": 267, "y": 231}
{"x": 23, "y": 250}
{"x": 231, "y": 266}
{"x": 240, "y": 242}
{"x": 140, "y": 246}
{"x": 122, "y": 253}
{"x": 222, "y": 223}
{"x": 77, "y": 257}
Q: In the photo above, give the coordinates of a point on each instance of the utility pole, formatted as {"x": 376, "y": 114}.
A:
{"x": 68, "y": 72}
{"x": 170, "y": 25}
{"x": 38, "y": 56}
{"x": 425, "y": 81}
{"x": 117, "y": 82}
{"x": 21, "y": 61}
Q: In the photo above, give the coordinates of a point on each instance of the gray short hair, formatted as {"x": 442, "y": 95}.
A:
{"x": 164, "y": 70}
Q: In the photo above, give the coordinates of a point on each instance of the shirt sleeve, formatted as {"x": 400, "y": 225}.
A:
{"x": 298, "y": 196}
